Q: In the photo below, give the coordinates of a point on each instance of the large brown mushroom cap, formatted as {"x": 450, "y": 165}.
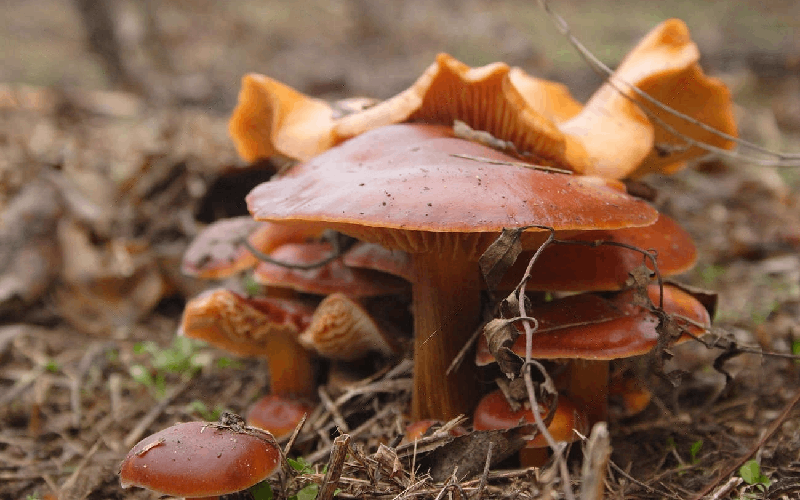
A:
{"x": 200, "y": 459}
{"x": 417, "y": 188}
{"x": 408, "y": 186}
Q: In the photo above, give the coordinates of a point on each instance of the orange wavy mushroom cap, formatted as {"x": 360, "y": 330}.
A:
{"x": 198, "y": 459}
{"x": 409, "y": 187}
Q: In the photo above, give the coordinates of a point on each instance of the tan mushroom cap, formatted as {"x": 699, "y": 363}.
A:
{"x": 256, "y": 327}
{"x": 199, "y": 459}
{"x": 278, "y": 415}
{"x": 342, "y": 330}
{"x": 588, "y": 326}
{"x": 332, "y": 277}
{"x": 373, "y": 256}
{"x": 605, "y": 267}
{"x": 494, "y": 412}
{"x": 402, "y": 187}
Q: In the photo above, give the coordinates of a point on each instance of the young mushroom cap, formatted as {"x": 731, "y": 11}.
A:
{"x": 277, "y": 415}
{"x": 575, "y": 268}
{"x": 200, "y": 459}
{"x": 342, "y": 330}
{"x": 256, "y": 327}
{"x": 494, "y": 412}
{"x": 418, "y": 189}
{"x": 331, "y": 277}
{"x": 219, "y": 250}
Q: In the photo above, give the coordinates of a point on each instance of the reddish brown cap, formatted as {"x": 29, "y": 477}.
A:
{"x": 605, "y": 267}
{"x": 494, "y": 412}
{"x": 278, "y": 415}
{"x": 331, "y": 277}
{"x": 416, "y": 179}
{"x": 218, "y": 251}
{"x": 588, "y": 326}
{"x": 200, "y": 459}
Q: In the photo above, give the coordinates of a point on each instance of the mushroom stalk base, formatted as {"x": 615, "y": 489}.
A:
{"x": 446, "y": 307}
{"x": 291, "y": 369}
{"x": 588, "y": 387}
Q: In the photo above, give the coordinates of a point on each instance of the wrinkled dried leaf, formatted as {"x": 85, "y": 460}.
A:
{"x": 500, "y": 255}
{"x": 500, "y": 336}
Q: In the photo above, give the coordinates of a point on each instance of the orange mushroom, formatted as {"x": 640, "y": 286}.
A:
{"x": 257, "y": 327}
{"x": 201, "y": 460}
{"x": 568, "y": 423}
{"x": 418, "y": 189}
{"x": 610, "y": 136}
{"x": 590, "y": 330}
{"x": 333, "y": 276}
{"x": 219, "y": 250}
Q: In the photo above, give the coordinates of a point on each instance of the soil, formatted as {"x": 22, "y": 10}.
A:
{"x": 107, "y": 174}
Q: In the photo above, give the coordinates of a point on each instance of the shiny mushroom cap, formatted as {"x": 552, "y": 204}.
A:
{"x": 494, "y": 412}
{"x": 588, "y": 326}
{"x": 417, "y": 188}
{"x": 200, "y": 459}
{"x": 277, "y": 415}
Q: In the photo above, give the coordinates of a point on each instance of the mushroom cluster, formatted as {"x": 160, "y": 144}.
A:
{"x": 422, "y": 200}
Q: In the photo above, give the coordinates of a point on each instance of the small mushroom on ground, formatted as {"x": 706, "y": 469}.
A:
{"x": 590, "y": 330}
{"x": 261, "y": 327}
{"x": 201, "y": 460}
{"x": 568, "y": 423}
{"x": 443, "y": 200}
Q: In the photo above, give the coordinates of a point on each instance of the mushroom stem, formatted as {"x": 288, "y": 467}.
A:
{"x": 587, "y": 386}
{"x": 446, "y": 307}
{"x": 291, "y": 368}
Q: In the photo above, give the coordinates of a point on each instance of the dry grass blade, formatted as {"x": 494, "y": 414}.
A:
{"x": 335, "y": 466}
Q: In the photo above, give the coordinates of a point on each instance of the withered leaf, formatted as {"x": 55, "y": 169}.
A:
{"x": 468, "y": 453}
{"x": 638, "y": 279}
{"x": 500, "y": 255}
{"x": 500, "y": 336}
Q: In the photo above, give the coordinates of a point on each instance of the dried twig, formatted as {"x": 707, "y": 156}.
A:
{"x": 335, "y": 465}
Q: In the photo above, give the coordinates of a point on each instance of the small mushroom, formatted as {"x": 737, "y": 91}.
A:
{"x": 330, "y": 277}
{"x": 257, "y": 327}
{"x": 495, "y": 412}
{"x": 343, "y": 330}
{"x": 590, "y": 330}
{"x": 219, "y": 250}
{"x": 201, "y": 460}
{"x": 277, "y": 414}
{"x": 443, "y": 200}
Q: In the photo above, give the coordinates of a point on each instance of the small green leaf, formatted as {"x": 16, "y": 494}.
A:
{"x": 695, "y": 449}
{"x": 261, "y": 491}
{"x": 52, "y": 366}
{"x": 308, "y": 492}
{"x": 751, "y": 473}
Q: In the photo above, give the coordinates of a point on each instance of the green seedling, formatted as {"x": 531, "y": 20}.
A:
{"x": 179, "y": 359}
{"x": 52, "y": 366}
{"x": 694, "y": 450}
{"x": 263, "y": 491}
{"x": 206, "y": 413}
{"x": 228, "y": 363}
{"x": 751, "y": 473}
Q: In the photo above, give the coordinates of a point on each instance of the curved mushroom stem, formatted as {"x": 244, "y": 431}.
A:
{"x": 587, "y": 386}
{"x": 446, "y": 307}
